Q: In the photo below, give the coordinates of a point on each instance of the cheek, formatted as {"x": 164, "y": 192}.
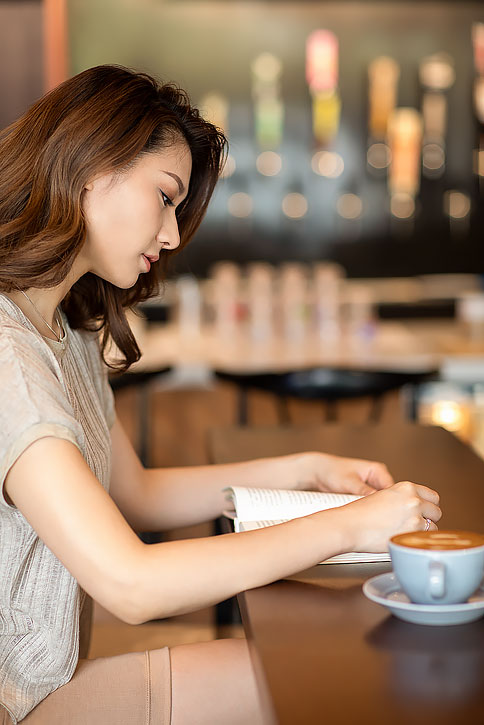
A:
{"x": 106, "y": 220}
{"x": 133, "y": 215}
{"x": 128, "y": 215}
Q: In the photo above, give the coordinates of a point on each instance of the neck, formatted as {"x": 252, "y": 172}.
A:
{"x": 46, "y": 300}
{"x": 39, "y": 306}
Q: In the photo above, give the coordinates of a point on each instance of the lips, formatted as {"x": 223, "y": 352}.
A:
{"x": 149, "y": 259}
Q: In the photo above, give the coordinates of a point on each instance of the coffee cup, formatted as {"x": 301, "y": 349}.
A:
{"x": 438, "y": 567}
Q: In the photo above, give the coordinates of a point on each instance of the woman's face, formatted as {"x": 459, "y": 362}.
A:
{"x": 130, "y": 217}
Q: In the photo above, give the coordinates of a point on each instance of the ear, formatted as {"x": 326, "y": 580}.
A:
{"x": 89, "y": 186}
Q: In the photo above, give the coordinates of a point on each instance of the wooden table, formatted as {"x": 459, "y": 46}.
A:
{"x": 323, "y": 653}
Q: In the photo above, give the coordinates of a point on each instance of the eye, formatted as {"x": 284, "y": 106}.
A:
{"x": 166, "y": 199}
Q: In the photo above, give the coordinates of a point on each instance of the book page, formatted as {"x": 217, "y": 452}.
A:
{"x": 348, "y": 558}
{"x": 253, "y": 504}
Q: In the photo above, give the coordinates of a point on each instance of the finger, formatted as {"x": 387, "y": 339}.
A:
{"x": 431, "y": 511}
{"x": 423, "y": 492}
{"x": 365, "y": 490}
{"x": 378, "y": 476}
{"x": 427, "y": 493}
{"x": 352, "y": 483}
{"x": 429, "y": 525}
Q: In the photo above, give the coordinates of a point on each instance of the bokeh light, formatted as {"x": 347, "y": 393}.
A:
{"x": 295, "y": 205}
{"x": 269, "y": 163}
{"x": 327, "y": 163}
{"x": 240, "y": 204}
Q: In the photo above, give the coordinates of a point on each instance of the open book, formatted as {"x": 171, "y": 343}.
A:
{"x": 256, "y": 508}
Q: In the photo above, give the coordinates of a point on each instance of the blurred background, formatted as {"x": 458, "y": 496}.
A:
{"x": 311, "y": 96}
{"x": 320, "y": 101}
{"x": 345, "y": 235}
{"x": 338, "y": 274}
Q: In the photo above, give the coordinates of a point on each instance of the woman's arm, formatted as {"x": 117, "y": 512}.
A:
{"x": 168, "y": 498}
{"x": 53, "y": 487}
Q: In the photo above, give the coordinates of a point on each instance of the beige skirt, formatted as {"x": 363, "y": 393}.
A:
{"x": 130, "y": 689}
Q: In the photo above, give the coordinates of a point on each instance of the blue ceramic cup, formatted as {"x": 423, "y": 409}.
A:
{"x": 438, "y": 567}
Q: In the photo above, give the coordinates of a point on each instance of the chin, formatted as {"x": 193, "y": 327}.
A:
{"x": 121, "y": 277}
{"x": 123, "y": 283}
{"x": 128, "y": 285}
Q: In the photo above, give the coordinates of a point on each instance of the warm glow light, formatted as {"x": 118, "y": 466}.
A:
{"x": 383, "y": 71}
{"x": 448, "y": 414}
{"x": 456, "y": 204}
{"x": 478, "y": 44}
{"x": 322, "y": 78}
{"x": 229, "y": 168}
{"x": 322, "y": 60}
{"x": 404, "y": 137}
{"x": 383, "y": 75}
{"x": 240, "y": 204}
{"x": 327, "y": 163}
{"x": 326, "y": 115}
{"x": 294, "y": 205}
{"x": 268, "y": 163}
{"x": 437, "y": 71}
{"x": 379, "y": 156}
{"x": 402, "y": 205}
{"x": 349, "y": 206}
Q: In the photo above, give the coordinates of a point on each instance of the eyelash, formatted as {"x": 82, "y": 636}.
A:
{"x": 166, "y": 199}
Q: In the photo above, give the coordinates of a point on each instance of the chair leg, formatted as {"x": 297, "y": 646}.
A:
{"x": 144, "y": 423}
{"x": 227, "y": 612}
{"x": 282, "y": 410}
{"x": 410, "y": 398}
{"x": 243, "y": 406}
{"x": 226, "y": 615}
{"x": 330, "y": 411}
{"x": 376, "y": 408}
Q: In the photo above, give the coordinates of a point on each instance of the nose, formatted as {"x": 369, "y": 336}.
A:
{"x": 168, "y": 235}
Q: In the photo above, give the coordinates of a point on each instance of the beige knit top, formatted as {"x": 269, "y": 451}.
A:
{"x": 47, "y": 388}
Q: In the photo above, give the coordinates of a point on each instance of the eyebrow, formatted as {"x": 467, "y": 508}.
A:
{"x": 181, "y": 188}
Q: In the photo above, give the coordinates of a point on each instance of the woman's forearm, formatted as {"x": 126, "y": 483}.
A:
{"x": 181, "y": 576}
{"x": 175, "y": 497}
{"x": 80, "y": 523}
{"x": 166, "y": 498}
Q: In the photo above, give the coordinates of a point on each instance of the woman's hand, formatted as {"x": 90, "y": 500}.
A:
{"x": 324, "y": 472}
{"x": 371, "y": 521}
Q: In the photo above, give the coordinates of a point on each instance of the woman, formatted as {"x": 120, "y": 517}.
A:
{"x": 100, "y": 182}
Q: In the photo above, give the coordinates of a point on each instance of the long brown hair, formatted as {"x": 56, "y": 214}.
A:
{"x": 99, "y": 121}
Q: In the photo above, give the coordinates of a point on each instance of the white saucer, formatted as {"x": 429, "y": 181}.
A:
{"x": 385, "y": 589}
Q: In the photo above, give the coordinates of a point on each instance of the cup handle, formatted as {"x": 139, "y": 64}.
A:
{"x": 437, "y": 579}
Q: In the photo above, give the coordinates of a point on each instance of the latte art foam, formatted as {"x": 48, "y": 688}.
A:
{"x": 440, "y": 540}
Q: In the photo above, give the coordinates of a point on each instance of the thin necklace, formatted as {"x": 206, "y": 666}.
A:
{"x": 59, "y": 322}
